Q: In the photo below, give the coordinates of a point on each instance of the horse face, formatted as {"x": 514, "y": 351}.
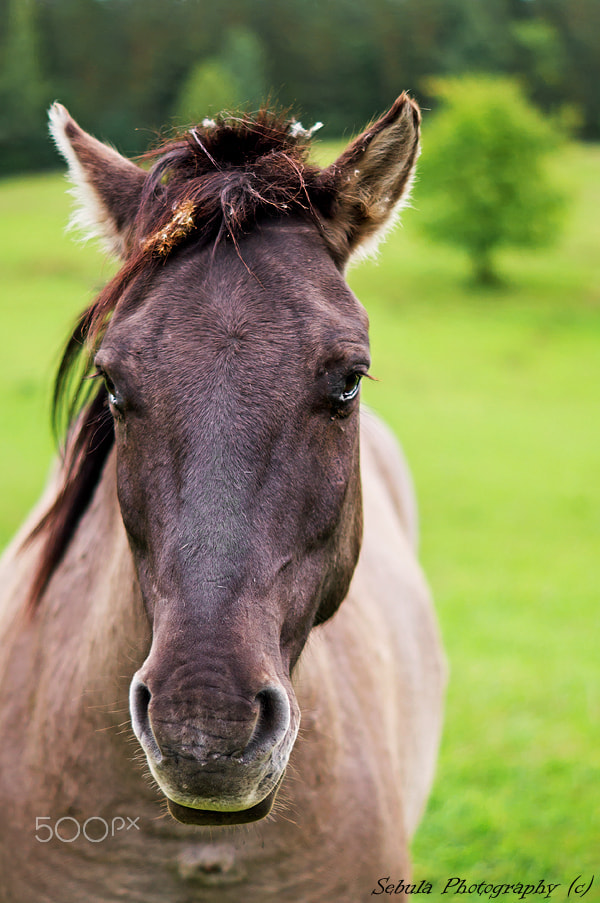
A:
{"x": 234, "y": 390}
{"x": 232, "y": 369}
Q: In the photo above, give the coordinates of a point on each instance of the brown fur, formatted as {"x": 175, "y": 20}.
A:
{"x": 188, "y": 546}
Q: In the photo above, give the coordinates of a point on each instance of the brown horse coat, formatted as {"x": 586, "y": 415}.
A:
{"x": 368, "y": 680}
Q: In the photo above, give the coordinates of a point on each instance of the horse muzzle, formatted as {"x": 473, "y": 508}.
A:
{"x": 221, "y": 763}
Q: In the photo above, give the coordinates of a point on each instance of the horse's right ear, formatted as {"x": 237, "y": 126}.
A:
{"x": 107, "y": 186}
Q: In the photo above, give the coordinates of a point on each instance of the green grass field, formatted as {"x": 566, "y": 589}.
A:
{"x": 496, "y": 397}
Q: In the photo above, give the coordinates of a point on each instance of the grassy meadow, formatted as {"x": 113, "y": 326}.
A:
{"x": 495, "y": 395}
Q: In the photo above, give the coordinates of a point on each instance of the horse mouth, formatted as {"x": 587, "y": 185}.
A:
{"x": 215, "y": 818}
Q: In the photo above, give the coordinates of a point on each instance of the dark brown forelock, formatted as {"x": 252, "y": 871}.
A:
{"x": 225, "y": 176}
{"x": 231, "y": 171}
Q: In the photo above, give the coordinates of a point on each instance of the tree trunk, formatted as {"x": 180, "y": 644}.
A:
{"x": 484, "y": 271}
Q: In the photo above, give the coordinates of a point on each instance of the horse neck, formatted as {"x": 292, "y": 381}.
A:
{"x": 69, "y": 666}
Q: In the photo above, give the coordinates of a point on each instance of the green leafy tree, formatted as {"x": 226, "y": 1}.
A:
{"x": 243, "y": 55}
{"x": 484, "y": 171}
{"x": 208, "y": 89}
{"x": 232, "y": 79}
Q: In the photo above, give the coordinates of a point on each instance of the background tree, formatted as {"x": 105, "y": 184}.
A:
{"x": 208, "y": 89}
{"x": 230, "y": 80}
{"x": 484, "y": 171}
{"x": 123, "y": 67}
{"x": 22, "y": 91}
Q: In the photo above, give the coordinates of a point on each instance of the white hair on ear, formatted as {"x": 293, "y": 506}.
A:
{"x": 90, "y": 217}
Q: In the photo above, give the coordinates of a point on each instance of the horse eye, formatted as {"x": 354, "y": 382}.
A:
{"x": 351, "y": 387}
{"x": 114, "y": 398}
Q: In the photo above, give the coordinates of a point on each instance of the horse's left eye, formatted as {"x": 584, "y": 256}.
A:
{"x": 351, "y": 387}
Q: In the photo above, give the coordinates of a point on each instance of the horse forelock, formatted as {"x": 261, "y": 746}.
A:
{"x": 220, "y": 177}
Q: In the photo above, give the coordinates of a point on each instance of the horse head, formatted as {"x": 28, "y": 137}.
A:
{"x": 229, "y": 351}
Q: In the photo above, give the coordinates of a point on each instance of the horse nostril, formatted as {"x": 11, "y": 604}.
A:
{"x": 265, "y": 730}
{"x": 139, "y": 701}
{"x": 273, "y": 720}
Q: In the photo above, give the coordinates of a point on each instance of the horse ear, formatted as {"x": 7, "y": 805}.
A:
{"x": 107, "y": 186}
{"x": 373, "y": 178}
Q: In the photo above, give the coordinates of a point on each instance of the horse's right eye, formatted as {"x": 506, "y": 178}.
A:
{"x": 115, "y": 399}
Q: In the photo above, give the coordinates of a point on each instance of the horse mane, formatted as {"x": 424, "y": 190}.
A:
{"x": 212, "y": 183}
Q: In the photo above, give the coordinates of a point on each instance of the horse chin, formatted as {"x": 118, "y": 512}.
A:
{"x": 215, "y": 818}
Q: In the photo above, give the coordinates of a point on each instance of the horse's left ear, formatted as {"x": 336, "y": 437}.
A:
{"x": 107, "y": 186}
{"x": 373, "y": 178}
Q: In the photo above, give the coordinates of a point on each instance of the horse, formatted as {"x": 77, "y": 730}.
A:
{"x": 221, "y": 671}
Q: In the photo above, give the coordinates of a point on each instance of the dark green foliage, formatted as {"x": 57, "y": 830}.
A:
{"x": 233, "y": 79}
{"x": 125, "y": 67}
{"x": 22, "y": 91}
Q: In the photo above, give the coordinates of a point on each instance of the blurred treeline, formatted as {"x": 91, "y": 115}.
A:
{"x": 127, "y": 68}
